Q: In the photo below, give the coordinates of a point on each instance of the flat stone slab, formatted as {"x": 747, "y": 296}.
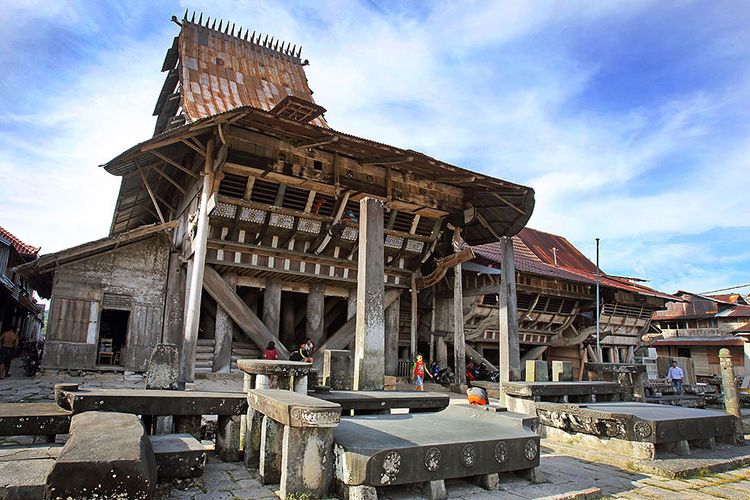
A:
{"x": 30, "y": 452}
{"x": 542, "y": 389}
{"x": 157, "y": 402}
{"x": 637, "y": 421}
{"x": 107, "y": 454}
{"x": 33, "y": 419}
{"x": 686, "y": 401}
{"x": 178, "y": 456}
{"x": 274, "y": 367}
{"x": 385, "y": 400}
{"x": 294, "y": 409}
{"x": 457, "y": 442}
{"x": 24, "y": 479}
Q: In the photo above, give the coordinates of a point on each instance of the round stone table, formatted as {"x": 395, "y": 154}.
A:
{"x": 291, "y": 375}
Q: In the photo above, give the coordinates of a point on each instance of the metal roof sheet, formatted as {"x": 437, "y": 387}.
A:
{"x": 699, "y": 341}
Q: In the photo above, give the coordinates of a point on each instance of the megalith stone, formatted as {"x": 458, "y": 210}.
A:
{"x": 108, "y": 455}
{"x": 536, "y": 371}
{"x": 562, "y": 371}
{"x": 338, "y": 369}
{"x": 163, "y": 367}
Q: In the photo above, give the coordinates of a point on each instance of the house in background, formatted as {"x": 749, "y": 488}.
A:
{"x": 18, "y": 309}
{"x": 699, "y": 325}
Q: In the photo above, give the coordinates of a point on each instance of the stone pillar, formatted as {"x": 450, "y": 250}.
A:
{"x": 391, "y": 337}
{"x": 228, "y": 438}
{"x": 188, "y": 424}
{"x": 307, "y": 465}
{"x": 195, "y": 290}
{"x": 222, "y": 362}
{"x": 287, "y": 333}
{"x": 315, "y": 322}
{"x": 254, "y": 426}
{"x": 536, "y": 371}
{"x": 729, "y": 391}
{"x": 510, "y": 358}
{"x": 562, "y": 371}
{"x": 271, "y": 446}
{"x": 272, "y": 306}
{"x": 459, "y": 341}
{"x": 442, "y": 315}
{"x": 369, "y": 356}
{"x": 337, "y": 369}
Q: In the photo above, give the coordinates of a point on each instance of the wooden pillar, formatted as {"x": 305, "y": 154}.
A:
{"x": 459, "y": 341}
{"x": 414, "y": 318}
{"x": 315, "y": 322}
{"x": 287, "y": 334}
{"x": 272, "y": 306}
{"x": 224, "y": 331}
{"x": 510, "y": 359}
{"x": 174, "y": 302}
{"x": 351, "y": 304}
{"x": 392, "y": 314}
{"x": 432, "y": 329}
{"x": 369, "y": 355}
{"x": 442, "y": 320}
{"x": 195, "y": 290}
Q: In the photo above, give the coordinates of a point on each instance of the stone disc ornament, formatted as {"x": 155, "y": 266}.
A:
{"x": 469, "y": 455}
{"x": 531, "y": 449}
{"x": 642, "y": 430}
{"x": 501, "y": 452}
{"x": 432, "y": 459}
{"x": 391, "y": 467}
{"x": 682, "y": 427}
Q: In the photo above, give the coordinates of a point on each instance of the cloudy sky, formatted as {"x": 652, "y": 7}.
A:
{"x": 630, "y": 119}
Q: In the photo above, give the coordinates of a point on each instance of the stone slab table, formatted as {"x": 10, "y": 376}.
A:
{"x": 458, "y": 442}
{"x": 521, "y": 396}
{"x": 640, "y": 430}
{"x": 369, "y": 401}
{"x": 289, "y": 374}
{"x": 295, "y": 447}
{"x": 632, "y": 377}
{"x": 33, "y": 419}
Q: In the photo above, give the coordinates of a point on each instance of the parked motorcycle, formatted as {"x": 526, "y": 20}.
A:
{"x": 31, "y": 351}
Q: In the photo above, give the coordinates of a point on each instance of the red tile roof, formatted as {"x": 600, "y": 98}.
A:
{"x": 533, "y": 254}
{"x": 220, "y": 72}
{"x": 19, "y": 245}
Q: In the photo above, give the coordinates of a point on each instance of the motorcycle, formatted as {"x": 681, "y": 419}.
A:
{"x": 32, "y": 357}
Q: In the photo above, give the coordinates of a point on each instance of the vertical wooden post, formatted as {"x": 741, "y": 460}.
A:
{"x": 510, "y": 356}
{"x": 224, "y": 331}
{"x": 729, "y": 391}
{"x": 414, "y": 318}
{"x": 195, "y": 290}
{"x": 272, "y": 306}
{"x": 369, "y": 353}
{"x": 459, "y": 341}
{"x": 432, "y": 329}
{"x": 315, "y": 319}
{"x": 392, "y": 314}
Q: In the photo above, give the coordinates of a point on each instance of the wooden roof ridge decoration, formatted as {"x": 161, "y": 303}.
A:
{"x": 48, "y": 263}
{"x": 212, "y": 68}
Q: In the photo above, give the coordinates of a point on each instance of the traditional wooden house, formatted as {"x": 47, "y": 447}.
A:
{"x": 18, "y": 308}
{"x": 247, "y": 218}
{"x": 556, "y": 303}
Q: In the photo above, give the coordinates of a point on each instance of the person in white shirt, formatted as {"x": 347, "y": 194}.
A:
{"x": 675, "y": 375}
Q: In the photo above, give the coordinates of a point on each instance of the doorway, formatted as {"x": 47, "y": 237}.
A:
{"x": 113, "y": 334}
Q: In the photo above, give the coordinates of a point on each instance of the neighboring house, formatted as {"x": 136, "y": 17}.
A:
{"x": 699, "y": 325}
{"x": 556, "y": 297}
{"x": 18, "y": 309}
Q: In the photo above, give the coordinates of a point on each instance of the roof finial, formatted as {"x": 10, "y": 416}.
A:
{"x": 192, "y": 20}
{"x": 184, "y": 17}
{"x": 265, "y": 42}
{"x": 200, "y": 20}
{"x": 232, "y": 33}
{"x": 213, "y": 26}
{"x": 221, "y": 21}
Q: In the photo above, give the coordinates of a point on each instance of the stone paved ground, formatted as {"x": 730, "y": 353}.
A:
{"x": 563, "y": 475}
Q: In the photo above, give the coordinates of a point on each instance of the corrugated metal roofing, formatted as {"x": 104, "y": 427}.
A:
{"x": 219, "y": 72}
{"x": 702, "y": 341}
{"x": 20, "y": 246}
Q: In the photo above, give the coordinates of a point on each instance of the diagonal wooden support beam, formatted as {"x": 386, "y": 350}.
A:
{"x": 345, "y": 335}
{"x": 244, "y": 317}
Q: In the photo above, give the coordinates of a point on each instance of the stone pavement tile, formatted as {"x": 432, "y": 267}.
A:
{"x": 699, "y": 482}
{"x": 719, "y": 492}
{"x": 252, "y": 493}
{"x": 667, "y": 484}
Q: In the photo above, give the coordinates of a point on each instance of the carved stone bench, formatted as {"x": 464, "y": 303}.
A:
{"x": 521, "y": 396}
{"x": 428, "y": 448}
{"x": 290, "y": 375}
{"x": 290, "y": 440}
{"x": 33, "y": 419}
{"x": 362, "y": 402}
{"x": 639, "y": 430}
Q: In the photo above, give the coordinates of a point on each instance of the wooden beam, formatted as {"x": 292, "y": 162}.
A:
{"x": 193, "y": 146}
{"x": 241, "y": 314}
{"x": 150, "y": 193}
{"x": 169, "y": 179}
{"x": 507, "y": 202}
{"x": 175, "y": 164}
{"x": 387, "y": 160}
{"x": 316, "y": 142}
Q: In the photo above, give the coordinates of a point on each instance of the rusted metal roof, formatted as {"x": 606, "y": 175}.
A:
{"x": 699, "y": 341}
{"x": 733, "y": 298}
{"x": 555, "y": 250}
{"x": 696, "y": 306}
{"x": 218, "y": 69}
{"x": 21, "y": 247}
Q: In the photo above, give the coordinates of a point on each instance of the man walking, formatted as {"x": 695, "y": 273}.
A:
{"x": 676, "y": 376}
{"x": 8, "y": 346}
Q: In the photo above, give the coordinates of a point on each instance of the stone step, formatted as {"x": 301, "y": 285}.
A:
{"x": 204, "y": 356}
{"x": 33, "y": 419}
{"x": 24, "y": 470}
{"x": 205, "y": 342}
{"x": 178, "y": 456}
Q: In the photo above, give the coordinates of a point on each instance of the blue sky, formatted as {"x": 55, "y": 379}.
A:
{"x": 630, "y": 119}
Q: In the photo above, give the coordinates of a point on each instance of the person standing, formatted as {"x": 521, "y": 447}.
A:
{"x": 270, "y": 352}
{"x": 676, "y": 376}
{"x": 418, "y": 372}
{"x": 8, "y": 346}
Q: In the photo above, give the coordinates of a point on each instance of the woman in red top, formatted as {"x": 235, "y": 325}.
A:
{"x": 270, "y": 352}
